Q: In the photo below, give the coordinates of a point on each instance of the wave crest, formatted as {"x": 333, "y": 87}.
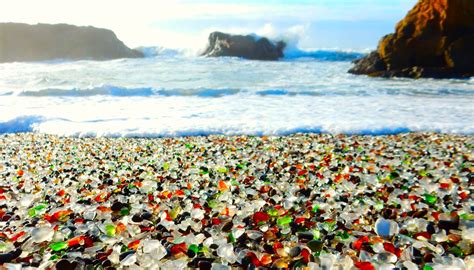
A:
{"x": 323, "y": 55}
{"x": 19, "y": 124}
{"x": 118, "y": 91}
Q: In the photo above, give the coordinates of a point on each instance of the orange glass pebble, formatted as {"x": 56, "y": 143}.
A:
{"x": 75, "y": 241}
{"x": 134, "y": 245}
{"x": 120, "y": 228}
{"x": 102, "y": 197}
{"x": 104, "y": 209}
{"x": 266, "y": 259}
{"x": 222, "y": 186}
{"x": 17, "y": 236}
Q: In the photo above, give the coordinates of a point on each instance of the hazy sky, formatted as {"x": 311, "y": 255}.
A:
{"x": 356, "y": 24}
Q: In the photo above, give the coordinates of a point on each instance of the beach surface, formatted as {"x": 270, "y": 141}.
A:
{"x": 307, "y": 200}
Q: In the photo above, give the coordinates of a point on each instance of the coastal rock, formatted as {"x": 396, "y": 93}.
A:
{"x": 40, "y": 42}
{"x": 249, "y": 47}
{"x": 435, "y": 40}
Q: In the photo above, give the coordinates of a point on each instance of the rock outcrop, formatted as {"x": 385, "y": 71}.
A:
{"x": 24, "y": 42}
{"x": 435, "y": 39}
{"x": 249, "y": 47}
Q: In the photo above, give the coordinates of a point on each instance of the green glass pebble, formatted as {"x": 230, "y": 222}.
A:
{"x": 427, "y": 267}
{"x": 231, "y": 238}
{"x": 467, "y": 216}
{"x": 194, "y": 248}
{"x": 316, "y": 234}
{"x": 284, "y": 220}
{"x": 315, "y": 245}
{"x": 273, "y": 212}
{"x": 241, "y": 166}
{"x": 32, "y": 212}
{"x": 39, "y": 207}
{"x": 54, "y": 257}
{"x": 344, "y": 235}
{"x": 315, "y": 208}
{"x": 329, "y": 225}
{"x": 430, "y": 199}
{"x": 222, "y": 170}
{"x": 212, "y": 203}
{"x": 58, "y": 246}
{"x": 379, "y": 206}
{"x": 393, "y": 175}
{"x": 124, "y": 211}
{"x": 456, "y": 251}
{"x": 110, "y": 230}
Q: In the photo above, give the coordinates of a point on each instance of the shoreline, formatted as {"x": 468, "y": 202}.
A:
{"x": 309, "y": 200}
{"x": 262, "y": 135}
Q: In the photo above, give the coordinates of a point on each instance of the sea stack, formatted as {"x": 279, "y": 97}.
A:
{"x": 23, "y": 42}
{"x": 434, "y": 40}
{"x": 248, "y": 47}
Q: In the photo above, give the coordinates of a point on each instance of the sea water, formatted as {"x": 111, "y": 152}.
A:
{"x": 174, "y": 94}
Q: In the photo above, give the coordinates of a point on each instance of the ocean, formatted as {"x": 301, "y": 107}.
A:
{"x": 173, "y": 93}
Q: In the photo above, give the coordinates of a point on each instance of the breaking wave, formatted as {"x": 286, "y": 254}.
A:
{"x": 117, "y": 91}
{"x": 323, "y": 55}
{"x": 292, "y": 53}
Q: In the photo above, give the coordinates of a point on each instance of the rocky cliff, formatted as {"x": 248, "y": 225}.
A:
{"x": 24, "y": 42}
{"x": 249, "y": 47}
{"x": 435, "y": 39}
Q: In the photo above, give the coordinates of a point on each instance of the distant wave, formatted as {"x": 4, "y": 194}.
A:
{"x": 291, "y": 53}
{"x": 158, "y": 51}
{"x": 117, "y": 91}
{"x": 102, "y": 91}
{"x": 322, "y": 55}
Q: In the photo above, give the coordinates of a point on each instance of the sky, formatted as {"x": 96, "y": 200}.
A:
{"x": 342, "y": 24}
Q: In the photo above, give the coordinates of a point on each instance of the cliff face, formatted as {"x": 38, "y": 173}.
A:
{"x": 435, "y": 39}
{"x": 23, "y": 42}
{"x": 249, "y": 47}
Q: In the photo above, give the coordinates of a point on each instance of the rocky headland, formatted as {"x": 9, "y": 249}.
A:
{"x": 23, "y": 42}
{"x": 434, "y": 40}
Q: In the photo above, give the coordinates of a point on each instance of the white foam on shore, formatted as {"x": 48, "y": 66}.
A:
{"x": 174, "y": 96}
{"x": 251, "y": 115}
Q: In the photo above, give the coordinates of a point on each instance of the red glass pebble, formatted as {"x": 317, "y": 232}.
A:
{"x": 260, "y": 217}
{"x": 179, "y": 248}
{"x": 364, "y": 265}
{"x": 358, "y": 243}
{"x": 134, "y": 245}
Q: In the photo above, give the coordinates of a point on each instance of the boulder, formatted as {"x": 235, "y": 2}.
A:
{"x": 435, "y": 39}
{"x": 24, "y": 42}
{"x": 248, "y": 47}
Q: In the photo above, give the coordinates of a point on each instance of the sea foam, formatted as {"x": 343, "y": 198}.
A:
{"x": 172, "y": 95}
